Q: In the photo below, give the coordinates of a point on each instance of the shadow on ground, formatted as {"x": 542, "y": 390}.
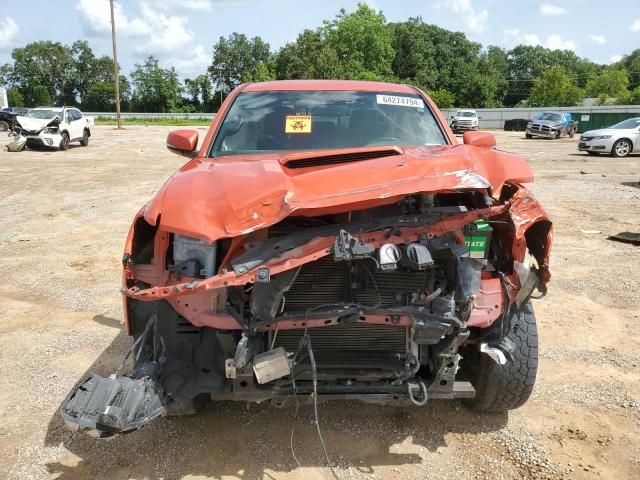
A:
{"x": 250, "y": 441}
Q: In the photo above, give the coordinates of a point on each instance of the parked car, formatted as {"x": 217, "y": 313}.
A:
{"x": 52, "y": 127}
{"x": 551, "y": 125}
{"x": 8, "y": 116}
{"x": 618, "y": 140}
{"x": 464, "y": 120}
{"x": 328, "y": 239}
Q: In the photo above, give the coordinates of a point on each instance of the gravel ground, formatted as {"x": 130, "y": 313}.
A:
{"x": 64, "y": 219}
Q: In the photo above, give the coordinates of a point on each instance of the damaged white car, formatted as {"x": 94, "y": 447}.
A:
{"x": 51, "y": 127}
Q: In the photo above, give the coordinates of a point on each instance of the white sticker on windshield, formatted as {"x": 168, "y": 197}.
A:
{"x": 400, "y": 101}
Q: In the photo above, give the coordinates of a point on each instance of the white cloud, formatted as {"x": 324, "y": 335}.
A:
{"x": 635, "y": 26}
{"x": 168, "y": 32}
{"x": 598, "y": 39}
{"x": 195, "y": 63}
{"x": 475, "y": 20}
{"x": 96, "y": 18}
{"x": 615, "y": 58}
{"x": 512, "y": 32}
{"x": 531, "y": 39}
{"x": 156, "y": 33}
{"x": 549, "y": 10}
{"x": 8, "y": 31}
{"x": 556, "y": 42}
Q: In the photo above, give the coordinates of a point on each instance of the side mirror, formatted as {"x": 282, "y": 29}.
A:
{"x": 183, "y": 142}
{"x": 479, "y": 139}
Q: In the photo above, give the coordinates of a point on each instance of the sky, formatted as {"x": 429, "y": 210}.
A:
{"x": 181, "y": 32}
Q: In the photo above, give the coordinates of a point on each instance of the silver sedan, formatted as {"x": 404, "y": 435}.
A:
{"x": 618, "y": 140}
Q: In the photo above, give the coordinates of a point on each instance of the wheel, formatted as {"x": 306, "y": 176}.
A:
{"x": 621, "y": 148}
{"x": 85, "y": 138}
{"x": 559, "y": 134}
{"x": 528, "y": 135}
{"x": 4, "y": 126}
{"x": 188, "y": 407}
{"x": 504, "y": 387}
{"x": 571, "y": 132}
{"x": 64, "y": 143}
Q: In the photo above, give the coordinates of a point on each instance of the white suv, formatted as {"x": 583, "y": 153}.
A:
{"x": 53, "y": 127}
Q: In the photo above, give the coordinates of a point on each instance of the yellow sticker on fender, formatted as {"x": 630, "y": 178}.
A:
{"x": 298, "y": 124}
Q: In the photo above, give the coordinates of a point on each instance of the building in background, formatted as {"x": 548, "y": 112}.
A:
{"x": 3, "y": 98}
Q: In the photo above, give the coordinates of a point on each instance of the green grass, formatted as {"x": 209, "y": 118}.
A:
{"x": 156, "y": 121}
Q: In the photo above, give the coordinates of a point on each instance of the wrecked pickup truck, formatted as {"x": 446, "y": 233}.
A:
{"x": 328, "y": 240}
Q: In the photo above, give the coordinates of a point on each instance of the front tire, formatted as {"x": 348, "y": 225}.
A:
{"x": 64, "y": 143}
{"x": 4, "y": 126}
{"x": 621, "y": 148}
{"x": 571, "y": 132}
{"x": 528, "y": 136}
{"x": 504, "y": 387}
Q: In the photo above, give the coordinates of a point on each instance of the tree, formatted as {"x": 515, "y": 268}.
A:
{"x": 155, "y": 89}
{"x": 610, "y": 83}
{"x": 554, "y": 88}
{"x": 40, "y": 96}
{"x": 360, "y": 42}
{"x": 15, "y": 98}
{"x": 527, "y": 63}
{"x": 631, "y": 63}
{"x": 43, "y": 65}
{"x": 236, "y": 60}
{"x": 442, "y": 98}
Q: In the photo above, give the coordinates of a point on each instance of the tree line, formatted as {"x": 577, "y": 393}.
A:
{"x": 360, "y": 45}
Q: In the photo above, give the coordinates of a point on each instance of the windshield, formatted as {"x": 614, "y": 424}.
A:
{"x": 44, "y": 114}
{"x": 465, "y": 114}
{"x": 628, "y": 124}
{"x": 308, "y": 120}
{"x": 554, "y": 117}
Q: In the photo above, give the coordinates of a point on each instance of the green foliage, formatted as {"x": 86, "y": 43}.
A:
{"x": 609, "y": 84}
{"x": 555, "y": 88}
{"x": 442, "y": 98}
{"x": 156, "y": 89}
{"x": 236, "y": 60}
{"x": 40, "y": 96}
{"x": 630, "y": 98}
{"x": 15, "y": 98}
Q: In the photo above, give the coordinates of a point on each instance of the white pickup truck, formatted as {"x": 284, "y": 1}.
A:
{"x": 464, "y": 120}
{"x": 53, "y": 127}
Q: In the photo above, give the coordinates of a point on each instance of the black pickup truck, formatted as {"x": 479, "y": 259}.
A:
{"x": 8, "y": 117}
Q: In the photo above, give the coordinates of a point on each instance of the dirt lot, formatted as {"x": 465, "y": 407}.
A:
{"x": 63, "y": 221}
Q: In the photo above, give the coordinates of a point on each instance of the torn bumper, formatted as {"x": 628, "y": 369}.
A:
{"x": 103, "y": 407}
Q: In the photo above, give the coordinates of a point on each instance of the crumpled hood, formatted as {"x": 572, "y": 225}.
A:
{"x": 551, "y": 123}
{"x": 229, "y": 196}
{"x": 33, "y": 124}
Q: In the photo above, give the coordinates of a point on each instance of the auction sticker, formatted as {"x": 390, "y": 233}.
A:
{"x": 400, "y": 101}
{"x": 298, "y": 124}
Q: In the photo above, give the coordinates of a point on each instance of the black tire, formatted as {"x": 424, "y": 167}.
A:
{"x": 528, "y": 136}
{"x": 571, "y": 132}
{"x": 188, "y": 407}
{"x": 559, "y": 134}
{"x": 504, "y": 387}
{"x": 64, "y": 143}
{"x": 593, "y": 153}
{"x": 85, "y": 138}
{"x": 618, "y": 151}
{"x": 4, "y": 126}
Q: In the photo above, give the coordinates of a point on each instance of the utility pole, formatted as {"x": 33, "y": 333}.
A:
{"x": 115, "y": 66}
